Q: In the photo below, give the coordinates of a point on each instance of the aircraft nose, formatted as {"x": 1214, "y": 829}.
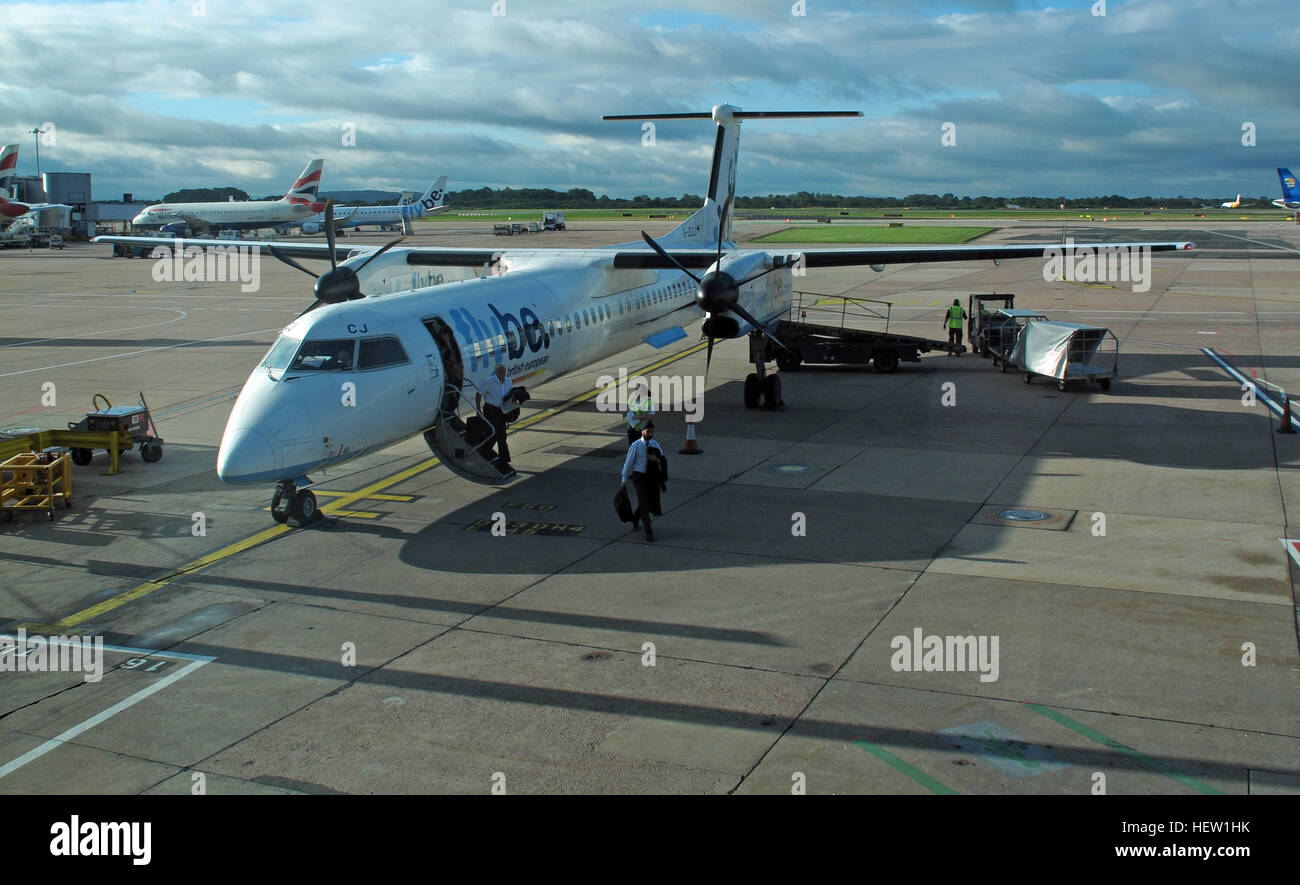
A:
{"x": 245, "y": 456}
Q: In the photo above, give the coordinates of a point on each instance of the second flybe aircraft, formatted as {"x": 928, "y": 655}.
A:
{"x": 398, "y": 339}
{"x": 429, "y": 203}
{"x": 301, "y": 201}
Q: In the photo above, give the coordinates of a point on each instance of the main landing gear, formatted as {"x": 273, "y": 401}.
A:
{"x": 289, "y": 501}
{"x": 758, "y": 384}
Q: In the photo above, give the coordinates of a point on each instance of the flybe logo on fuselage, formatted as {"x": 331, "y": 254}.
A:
{"x": 522, "y": 334}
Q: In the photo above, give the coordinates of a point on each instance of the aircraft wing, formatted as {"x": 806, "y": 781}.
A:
{"x": 420, "y": 255}
{"x": 703, "y": 258}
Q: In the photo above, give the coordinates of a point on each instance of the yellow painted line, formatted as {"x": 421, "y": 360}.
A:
{"x": 360, "y": 514}
{"x": 325, "y": 493}
{"x": 336, "y": 507}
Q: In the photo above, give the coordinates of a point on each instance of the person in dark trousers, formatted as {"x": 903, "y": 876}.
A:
{"x": 647, "y": 465}
{"x": 493, "y": 396}
{"x": 953, "y": 320}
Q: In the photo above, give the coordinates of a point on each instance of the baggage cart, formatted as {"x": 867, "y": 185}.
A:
{"x": 1067, "y": 352}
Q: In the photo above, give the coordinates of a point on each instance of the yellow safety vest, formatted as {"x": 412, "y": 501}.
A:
{"x": 641, "y": 410}
{"x": 954, "y": 316}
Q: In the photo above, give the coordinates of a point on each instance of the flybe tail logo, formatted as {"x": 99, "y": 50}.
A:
{"x": 524, "y": 333}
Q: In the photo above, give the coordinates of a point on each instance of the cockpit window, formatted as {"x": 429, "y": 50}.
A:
{"x": 376, "y": 352}
{"x": 277, "y": 358}
{"x": 333, "y": 354}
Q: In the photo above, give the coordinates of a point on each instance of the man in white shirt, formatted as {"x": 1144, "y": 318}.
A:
{"x": 492, "y": 399}
{"x": 646, "y": 464}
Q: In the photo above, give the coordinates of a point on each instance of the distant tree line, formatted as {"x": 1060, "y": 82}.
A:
{"x": 581, "y": 198}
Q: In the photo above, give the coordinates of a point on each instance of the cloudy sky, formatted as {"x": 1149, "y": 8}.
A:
{"x": 1149, "y": 98}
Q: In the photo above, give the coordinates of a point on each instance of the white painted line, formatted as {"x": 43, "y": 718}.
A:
{"x": 112, "y": 711}
{"x": 108, "y": 331}
{"x": 114, "y": 356}
{"x": 1293, "y": 547}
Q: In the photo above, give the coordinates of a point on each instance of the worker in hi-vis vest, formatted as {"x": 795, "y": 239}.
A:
{"x": 953, "y": 320}
{"x": 640, "y": 409}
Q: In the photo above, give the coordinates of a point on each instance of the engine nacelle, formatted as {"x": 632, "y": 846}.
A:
{"x": 721, "y": 327}
{"x": 312, "y": 228}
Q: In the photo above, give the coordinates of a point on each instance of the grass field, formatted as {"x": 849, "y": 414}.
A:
{"x": 848, "y": 233}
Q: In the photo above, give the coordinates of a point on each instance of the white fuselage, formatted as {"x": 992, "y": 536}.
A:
{"x": 542, "y": 317}
{"x": 241, "y": 215}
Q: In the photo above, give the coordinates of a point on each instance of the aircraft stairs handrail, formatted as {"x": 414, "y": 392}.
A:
{"x": 448, "y": 439}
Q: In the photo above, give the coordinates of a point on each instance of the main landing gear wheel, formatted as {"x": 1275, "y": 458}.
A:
{"x": 1060, "y": 385}
{"x": 788, "y": 360}
{"x": 1029, "y": 377}
{"x": 772, "y": 392}
{"x": 1105, "y": 383}
{"x": 886, "y": 361}
{"x": 303, "y": 509}
{"x": 751, "y": 391}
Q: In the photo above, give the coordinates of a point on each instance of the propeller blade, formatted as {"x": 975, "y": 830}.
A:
{"x": 653, "y": 245}
{"x": 315, "y": 304}
{"x": 747, "y": 317}
{"x": 708, "y": 361}
{"x": 329, "y": 233}
{"x": 376, "y": 254}
{"x": 289, "y": 261}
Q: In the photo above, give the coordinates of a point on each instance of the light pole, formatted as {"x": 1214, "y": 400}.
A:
{"x": 37, "y": 133}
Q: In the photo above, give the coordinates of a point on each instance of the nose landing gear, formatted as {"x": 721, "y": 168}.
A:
{"x": 289, "y": 501}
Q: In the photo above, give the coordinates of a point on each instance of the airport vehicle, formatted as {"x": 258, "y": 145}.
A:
{"x": 534, "y": 227}
{"x": 428, "y": 203}
{"x": 299, "y": 203}
{"x": 984, "y": 324}
{"x": 1290, "y": 195}
{"x": 518, "y": 227}
{"x": 553, "y": 221}
{"x": 838, "y": 338}
{"x": 1067, "y": 352}
{"x": 404, "y": 360}
{"x": 133, "y": 420}
{"x": 502, "y": 230}
{"x": 1232, "y": 204}
{"x": 1005, "y": 327}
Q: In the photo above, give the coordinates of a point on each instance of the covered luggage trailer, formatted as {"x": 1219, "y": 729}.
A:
{"x": 1067, "y": 352}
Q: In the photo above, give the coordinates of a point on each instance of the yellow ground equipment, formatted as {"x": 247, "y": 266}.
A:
{"x": 35, "y": 481}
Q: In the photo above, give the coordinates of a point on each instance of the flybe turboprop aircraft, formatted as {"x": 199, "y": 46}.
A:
{"x": 429, "y": 203}
{"x": 398, "y": 339}
{"x": 298, "y": 203}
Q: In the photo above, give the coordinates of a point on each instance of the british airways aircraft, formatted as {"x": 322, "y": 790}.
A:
{"x": 429, "y": 203}
{"x": 11, "y": 209}
{"x": 298, "y": 203}
{"x": 398, "y": 339}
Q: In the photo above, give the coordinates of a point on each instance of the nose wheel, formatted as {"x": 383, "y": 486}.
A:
{"x": 290, "y": 502}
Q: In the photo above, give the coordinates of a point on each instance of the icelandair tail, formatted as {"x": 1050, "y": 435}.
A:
{"x": 1290, "y": 194}
{"x": 305, "y": 189}
{"x": 716, "y": 213}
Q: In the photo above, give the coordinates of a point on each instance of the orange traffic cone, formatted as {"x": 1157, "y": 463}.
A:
{"x": 691, "y": 447}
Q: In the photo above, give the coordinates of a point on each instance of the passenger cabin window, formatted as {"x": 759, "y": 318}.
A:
{"x": 377, "y": 352}
{"x": 338, "y": 353}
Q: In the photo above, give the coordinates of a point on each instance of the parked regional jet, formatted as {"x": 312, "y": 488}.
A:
{"x": 298, "y": 203}
{"x": 429, "y": 203}
{"x": 1234, "y": 204}
{"x": 1290, "y": 196}
{"x": 398, "y": 339}
{"x": 11, "y": 209}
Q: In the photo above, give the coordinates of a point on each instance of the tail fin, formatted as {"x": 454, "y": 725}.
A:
{"x": 8, "y": 168}
{"x": 432, "y": 198}
{"x": 1289, "y": 191}
{"x": 306, "y": 188}
{"x": 713, "y": 220}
